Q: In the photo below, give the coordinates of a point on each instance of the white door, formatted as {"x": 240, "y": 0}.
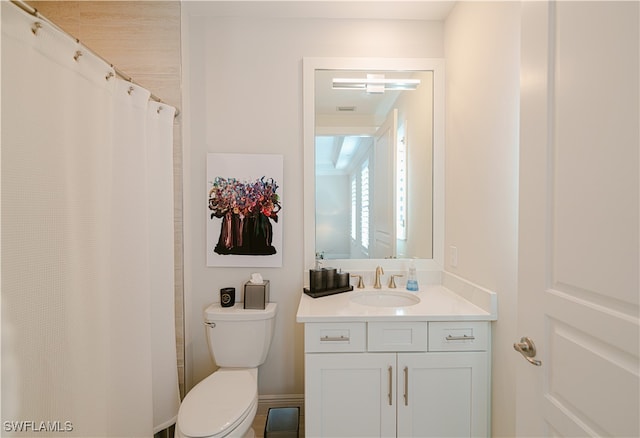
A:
{"x": 383, "y": 220}
{"x": 579, "y": 223}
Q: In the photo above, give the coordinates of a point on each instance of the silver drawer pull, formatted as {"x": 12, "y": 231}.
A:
{"x": 334, "y": 339}
{"x": 460, "y": 338}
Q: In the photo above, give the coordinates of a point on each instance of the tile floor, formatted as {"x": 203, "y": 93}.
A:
{"x": 258, "y": 427}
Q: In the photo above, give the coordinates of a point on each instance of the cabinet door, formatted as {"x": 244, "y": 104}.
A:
{"x": 443, "y": 394}
{"x": 350, "y": 395}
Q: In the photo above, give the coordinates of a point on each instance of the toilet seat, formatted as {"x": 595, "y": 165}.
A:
{"x": 218, "y": 404}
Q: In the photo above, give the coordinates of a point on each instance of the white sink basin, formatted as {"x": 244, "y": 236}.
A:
{"x": 386, "y": 298}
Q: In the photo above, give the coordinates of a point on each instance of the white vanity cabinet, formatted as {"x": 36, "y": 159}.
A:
{"x": 347, "y": 394}
{"x": 446, "y": 395}
{"x": 387, "y": 379}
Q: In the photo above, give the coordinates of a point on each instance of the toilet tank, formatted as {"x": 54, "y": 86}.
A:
{"x": 238, "y": 337}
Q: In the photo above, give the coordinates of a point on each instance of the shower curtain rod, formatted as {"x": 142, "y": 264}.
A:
{"x": 33, "y": 11}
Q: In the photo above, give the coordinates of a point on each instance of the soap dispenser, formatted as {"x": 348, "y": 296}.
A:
{"x": 412, "y": 278}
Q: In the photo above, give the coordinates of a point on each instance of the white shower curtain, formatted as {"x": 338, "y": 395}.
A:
{"x": 88, "y": 342}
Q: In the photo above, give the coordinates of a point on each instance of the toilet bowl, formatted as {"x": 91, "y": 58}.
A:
{"x": 224, "y": 404}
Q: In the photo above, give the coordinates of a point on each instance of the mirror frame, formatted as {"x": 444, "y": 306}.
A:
{"x": 309, "y": 67}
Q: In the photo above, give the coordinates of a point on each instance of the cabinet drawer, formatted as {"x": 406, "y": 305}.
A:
{"x": 458, "y": 336}
{"x": 337, "y": 337}
{"x": 397, "y": 336}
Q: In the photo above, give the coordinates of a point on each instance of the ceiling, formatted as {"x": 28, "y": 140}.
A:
{"x": 362, "y": 9}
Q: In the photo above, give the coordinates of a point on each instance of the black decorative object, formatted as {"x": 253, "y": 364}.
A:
{"x": 227, "y": 296}
{"x": 328, "y": 292}
{"x": 327, "y": 281}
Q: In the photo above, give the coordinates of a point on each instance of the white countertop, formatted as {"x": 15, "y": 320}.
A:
{"x": 437, "y": 303}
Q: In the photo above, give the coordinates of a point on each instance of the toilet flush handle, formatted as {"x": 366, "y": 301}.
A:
{"x": 210, "y": 324}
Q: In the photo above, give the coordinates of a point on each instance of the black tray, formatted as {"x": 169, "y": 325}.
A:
{"x": 324, "y": 293}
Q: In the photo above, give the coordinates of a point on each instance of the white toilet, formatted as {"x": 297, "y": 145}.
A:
{"x": 225, "y": 403}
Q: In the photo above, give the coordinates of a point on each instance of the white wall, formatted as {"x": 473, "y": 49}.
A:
{"x": 482, "y": 43}
{"x": 243, "y": 93}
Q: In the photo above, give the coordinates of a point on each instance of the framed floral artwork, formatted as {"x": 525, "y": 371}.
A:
{"x": 244, "y": 214}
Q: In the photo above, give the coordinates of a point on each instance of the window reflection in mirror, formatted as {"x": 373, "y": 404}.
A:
{"x": 374, "y": 161}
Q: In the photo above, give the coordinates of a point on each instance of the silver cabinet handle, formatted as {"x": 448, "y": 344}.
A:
{"x": 460, "y": 338}
{"x": 334, "y": 339}
{"x": 406, "y": 386}
{"x": 527, "y": 348}
{"x": 390, "y": 385}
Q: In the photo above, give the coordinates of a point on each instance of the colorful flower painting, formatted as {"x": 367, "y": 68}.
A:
{"x": 244, "y": 202}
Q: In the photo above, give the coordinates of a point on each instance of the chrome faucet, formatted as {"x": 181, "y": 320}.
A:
{"x": 379, "y": 272}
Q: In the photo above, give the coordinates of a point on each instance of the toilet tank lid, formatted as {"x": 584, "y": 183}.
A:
{"x": 215, "y": 312}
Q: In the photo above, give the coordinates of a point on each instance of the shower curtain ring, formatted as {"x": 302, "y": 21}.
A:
{"x": 77, "y": 55}
{"x": 130, "y": 90}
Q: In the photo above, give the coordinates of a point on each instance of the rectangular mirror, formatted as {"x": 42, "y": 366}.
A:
{"x": 373, "y": 164}
{"x": 373, "y": 131}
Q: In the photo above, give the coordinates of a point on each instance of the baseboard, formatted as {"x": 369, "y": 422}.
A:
{"x": 280, "y": 401}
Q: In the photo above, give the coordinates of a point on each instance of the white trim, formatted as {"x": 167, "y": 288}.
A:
{"x": 309, "y": 65}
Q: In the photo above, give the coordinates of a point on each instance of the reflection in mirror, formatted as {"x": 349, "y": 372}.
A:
{"x": 373, "y": 164}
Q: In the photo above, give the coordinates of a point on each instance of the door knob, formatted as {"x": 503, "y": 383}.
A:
{"x": 527, "y": 348}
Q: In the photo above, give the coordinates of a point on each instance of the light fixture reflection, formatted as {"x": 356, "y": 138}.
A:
{"x": 375, "y": 83}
